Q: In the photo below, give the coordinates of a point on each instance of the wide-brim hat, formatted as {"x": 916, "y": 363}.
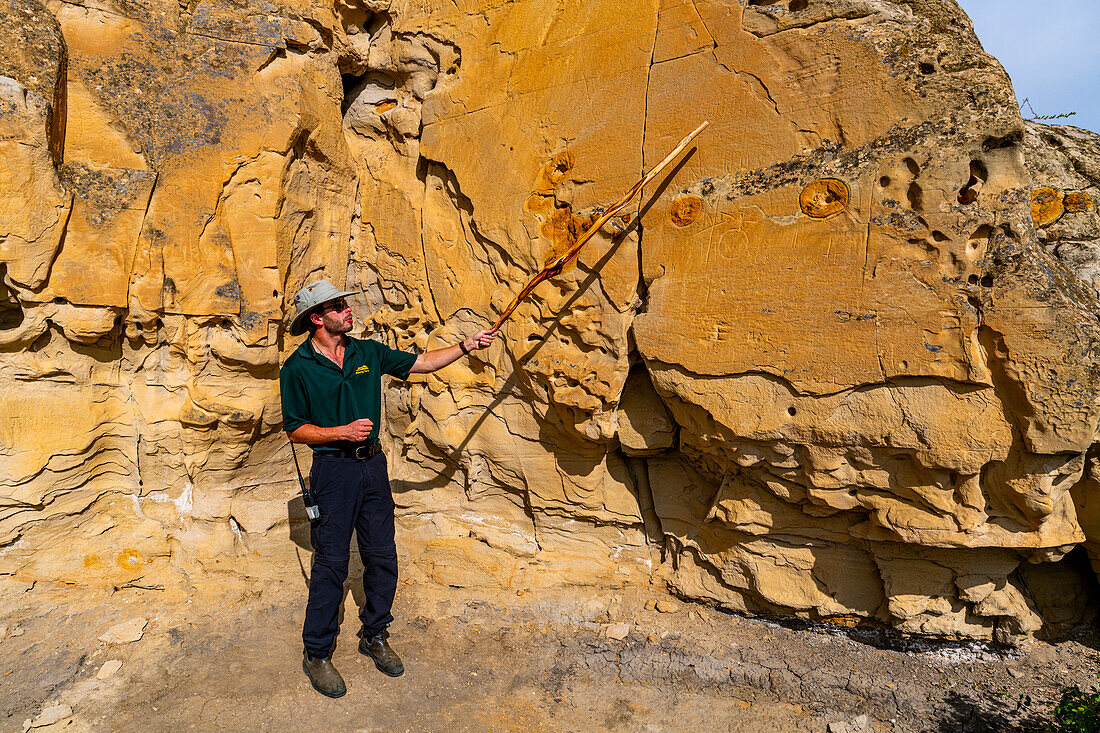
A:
{"x": 312, "y": 295}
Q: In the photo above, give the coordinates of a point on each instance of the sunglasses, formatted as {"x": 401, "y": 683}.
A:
{"x": 336, "y": 305}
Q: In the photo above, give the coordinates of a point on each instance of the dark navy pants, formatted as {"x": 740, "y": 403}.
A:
{"x": 351, "y": 494}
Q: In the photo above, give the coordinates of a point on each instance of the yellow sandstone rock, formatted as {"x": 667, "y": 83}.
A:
{"x": 828, "y": 367}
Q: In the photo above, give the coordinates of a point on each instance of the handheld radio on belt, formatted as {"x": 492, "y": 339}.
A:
{"x": 312, "y": 510}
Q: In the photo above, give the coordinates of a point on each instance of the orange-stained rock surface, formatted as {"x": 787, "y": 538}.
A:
{"x": 839, "y": 364}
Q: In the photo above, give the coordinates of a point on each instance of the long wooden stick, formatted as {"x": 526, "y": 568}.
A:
{"x": 555, "y": 267}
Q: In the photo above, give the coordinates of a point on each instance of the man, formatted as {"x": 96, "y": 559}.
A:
{"x": 331, "y": 395}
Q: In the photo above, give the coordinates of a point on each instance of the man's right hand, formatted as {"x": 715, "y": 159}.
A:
{"x": 353, "y": 432}
{"x": 357, "y": 431}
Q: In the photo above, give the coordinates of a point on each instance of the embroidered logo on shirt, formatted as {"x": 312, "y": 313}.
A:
{"x": 362, "y": 370}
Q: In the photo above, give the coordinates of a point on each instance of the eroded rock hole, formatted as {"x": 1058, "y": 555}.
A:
{"x": 1063, "y": 614}
{"x": 915, "y": 196}
{"x": 1006, "y": 141}
{"x": 42, "y": 341}
{"x": 979, "y": 174}
{"x": 11, "y": 312}
{"x": 967, "y": 195}
{"x": 976, "y": 244}
{"x": 926, "y": 248}
{"x": 979, "y": 171}
{"x": 350, "y": 82}
{"x": 791, "y": 411}
{"x": 940, "y": 236}
{"x": 973, "y": 279}
{"x": 795, "y": 5}
{"x": 884, "y": 181}
{"x": 374, "y": 88}
{"x": 927, "y": 68}
{"x": 914, "y": 169}
{"x": 1052, "y": 140}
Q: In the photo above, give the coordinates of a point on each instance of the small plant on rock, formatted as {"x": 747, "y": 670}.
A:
{"x": 1043, "y": 118}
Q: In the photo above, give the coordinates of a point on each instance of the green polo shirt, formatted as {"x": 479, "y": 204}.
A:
{"x": 316, "y": 391}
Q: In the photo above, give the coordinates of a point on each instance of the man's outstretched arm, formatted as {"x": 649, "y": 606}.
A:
{"x": 439, "y": 358}
{"x": 353, "y": 432}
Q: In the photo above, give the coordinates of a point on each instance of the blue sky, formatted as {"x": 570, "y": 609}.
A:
{"x": 1050, "y": 48}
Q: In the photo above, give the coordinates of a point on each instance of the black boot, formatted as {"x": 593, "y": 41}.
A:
{"x": 385, "y": 658}
{"x": 323, "y": 676}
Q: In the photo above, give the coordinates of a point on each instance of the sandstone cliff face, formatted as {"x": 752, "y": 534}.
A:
{"x": 839, "y": 365}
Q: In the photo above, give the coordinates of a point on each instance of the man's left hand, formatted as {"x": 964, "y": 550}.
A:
{"x": 481, "y": 339}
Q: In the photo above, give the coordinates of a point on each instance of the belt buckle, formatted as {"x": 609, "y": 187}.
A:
{"x": 362, "y": 452}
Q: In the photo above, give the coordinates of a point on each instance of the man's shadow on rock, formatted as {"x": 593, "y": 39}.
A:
{"x": 518, "y": 379}
{"x": 299, "y": 527}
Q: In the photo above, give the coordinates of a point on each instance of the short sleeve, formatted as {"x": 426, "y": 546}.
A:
{"x": 294, "y": 397}
{"x": 395, "y": 363}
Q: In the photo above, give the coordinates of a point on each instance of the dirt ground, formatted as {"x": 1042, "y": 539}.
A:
{"x": 492, "y": 660}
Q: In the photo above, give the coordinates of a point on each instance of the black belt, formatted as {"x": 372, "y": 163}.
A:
{"x": 359, "y": 452}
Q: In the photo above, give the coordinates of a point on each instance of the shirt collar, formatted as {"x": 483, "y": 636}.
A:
{"x": 307, "y": 350}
